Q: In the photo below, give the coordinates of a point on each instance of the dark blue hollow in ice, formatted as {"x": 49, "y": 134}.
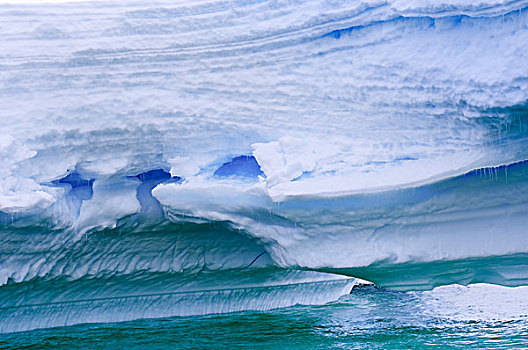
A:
{"x": 156, "y": 175}
{"x": 81, "y": 189}
{"x": 150, "y": 179}
{"x": 242, "y": 166}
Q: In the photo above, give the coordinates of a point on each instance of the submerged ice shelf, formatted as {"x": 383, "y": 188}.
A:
{"x": 226, "y": 156}
{"x": 163, "y": 295}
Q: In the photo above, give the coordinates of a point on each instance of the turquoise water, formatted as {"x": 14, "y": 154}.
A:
{"x": 368, "y": 318}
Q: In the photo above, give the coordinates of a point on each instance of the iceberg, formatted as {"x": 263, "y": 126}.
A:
{"x": 187, "y": 158}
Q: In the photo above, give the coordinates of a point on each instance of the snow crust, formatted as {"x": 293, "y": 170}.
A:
{"x": 330, "y": 98}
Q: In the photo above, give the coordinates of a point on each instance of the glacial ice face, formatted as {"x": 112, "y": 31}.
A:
{"x": 394, "y": 90}
{"x": 380, "y": 139}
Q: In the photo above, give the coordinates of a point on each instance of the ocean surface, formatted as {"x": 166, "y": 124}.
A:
{"x": 455, "y": 317}
{"x": 269, "y": 174}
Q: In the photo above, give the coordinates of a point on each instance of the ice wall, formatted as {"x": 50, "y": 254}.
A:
{"x": 380, "y": 139}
